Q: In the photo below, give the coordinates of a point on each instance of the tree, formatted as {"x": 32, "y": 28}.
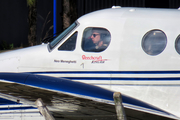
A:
{"x": 69, "y": 12}
{"x": 32, "y": 14}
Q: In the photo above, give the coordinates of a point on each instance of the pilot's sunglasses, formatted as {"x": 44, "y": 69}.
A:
{"x": 94, "y": 35}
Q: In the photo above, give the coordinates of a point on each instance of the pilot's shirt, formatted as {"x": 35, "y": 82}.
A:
{"x": 101, "y": 48}
{"x": 91, "y": 47}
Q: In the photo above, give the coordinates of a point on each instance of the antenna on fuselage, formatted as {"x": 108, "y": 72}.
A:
{"x": 116, "y": 6}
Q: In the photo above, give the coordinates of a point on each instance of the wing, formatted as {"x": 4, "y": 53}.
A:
{"x": 73, "y": 100}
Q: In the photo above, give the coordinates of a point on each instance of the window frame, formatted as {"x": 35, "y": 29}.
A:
{"x": 66, "y": 32}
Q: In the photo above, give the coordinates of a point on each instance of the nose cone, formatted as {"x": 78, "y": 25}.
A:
{"x": 9, "y": 61}
{"x": 10, "y": 64}
{"x": 13, "y": 60}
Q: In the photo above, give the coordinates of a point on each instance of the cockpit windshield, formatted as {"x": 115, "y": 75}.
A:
{"x": 62, "y": 35}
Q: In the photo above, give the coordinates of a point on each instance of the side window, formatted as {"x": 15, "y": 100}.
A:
{"x": 69, "y": 44}
{"x": 95, "y": 39}
{"x": 154, "y": 42}
{"x": 177, "y": 44}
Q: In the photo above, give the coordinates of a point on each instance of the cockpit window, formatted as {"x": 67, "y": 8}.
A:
{"x": 69, "y": 44}
{"x": 95, "y": 39}
{"x": 62, "y": 35}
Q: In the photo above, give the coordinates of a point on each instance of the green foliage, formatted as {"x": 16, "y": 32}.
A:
{"x": 5, "y": 46}
{"x": 11, "y": 46}
{"x": 31, "y": 3}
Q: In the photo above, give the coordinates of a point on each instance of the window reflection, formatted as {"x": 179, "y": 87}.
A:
{"x": 69, "y": 44}
{"x": 154, "y": 42}
{"x": 177, "y": 44}
{"x": 95, "y": 39}
{"x": 61, "y": 36}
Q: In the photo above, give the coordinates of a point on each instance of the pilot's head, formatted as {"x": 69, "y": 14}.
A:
{"x": 98, "y": 34}
{"x": 96, "y": 37}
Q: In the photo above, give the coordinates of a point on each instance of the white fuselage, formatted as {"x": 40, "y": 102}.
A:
{"x": 124, "y": 65}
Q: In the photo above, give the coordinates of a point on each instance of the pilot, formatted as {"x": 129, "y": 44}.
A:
{"x": 97, "y": 39}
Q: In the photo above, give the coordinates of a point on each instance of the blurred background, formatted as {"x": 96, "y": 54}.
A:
{"x": 27, "y": 22}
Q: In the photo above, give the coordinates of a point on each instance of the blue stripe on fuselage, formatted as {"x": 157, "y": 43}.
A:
{"x": 117, "y": 78}
{"x": 124, "y": 78}
{"x": 107, "y": 72}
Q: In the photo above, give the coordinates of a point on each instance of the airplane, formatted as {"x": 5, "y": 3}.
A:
{"x": 134, "y": 51}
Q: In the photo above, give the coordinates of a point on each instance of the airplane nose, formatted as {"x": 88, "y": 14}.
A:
{"x": 9, "y": 64}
